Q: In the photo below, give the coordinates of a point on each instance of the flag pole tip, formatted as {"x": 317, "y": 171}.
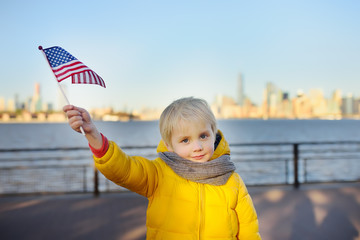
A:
{"x": 40, "y": 48}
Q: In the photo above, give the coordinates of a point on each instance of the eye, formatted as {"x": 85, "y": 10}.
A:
{"x": 185, "y": 140}
{"x": 203, "y": 136}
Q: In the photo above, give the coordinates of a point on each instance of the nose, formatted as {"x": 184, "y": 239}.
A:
{"x": 197, "y": 146}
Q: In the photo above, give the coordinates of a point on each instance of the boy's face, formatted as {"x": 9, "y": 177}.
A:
{"x": 193, "y": 141}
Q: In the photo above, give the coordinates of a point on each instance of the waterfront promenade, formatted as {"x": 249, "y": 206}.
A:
{"x": 326, "y": 211}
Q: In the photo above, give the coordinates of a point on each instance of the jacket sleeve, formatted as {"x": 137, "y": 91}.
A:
{"x": 135, "y": 173}
{"x": 248, "y": 221}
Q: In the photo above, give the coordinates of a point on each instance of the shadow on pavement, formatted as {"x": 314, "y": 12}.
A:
{"x": 312, "y": 212}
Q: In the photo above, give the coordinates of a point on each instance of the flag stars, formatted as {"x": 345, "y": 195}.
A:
{"x": 58, "y": 56}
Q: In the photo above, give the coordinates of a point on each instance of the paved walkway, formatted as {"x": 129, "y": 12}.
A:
{"x": 313, "y": 212}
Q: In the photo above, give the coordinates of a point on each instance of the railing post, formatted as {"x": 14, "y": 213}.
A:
{"x": 286, "y": 171}
{"x": 296, "y": 165}
{"x": 96, "y": 182}
{"x": 84, "y": 180}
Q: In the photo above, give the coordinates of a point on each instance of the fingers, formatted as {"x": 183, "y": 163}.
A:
{"x": 74, "y": 115}
{"x": 68, "y": 107}
{"x": 72, "y": 111}
{"x": 75, "y": 119}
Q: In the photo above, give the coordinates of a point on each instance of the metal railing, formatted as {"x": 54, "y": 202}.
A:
{"x": 67, "y": 170}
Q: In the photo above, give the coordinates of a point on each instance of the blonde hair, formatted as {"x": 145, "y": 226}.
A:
{"x": 185, "y": 109}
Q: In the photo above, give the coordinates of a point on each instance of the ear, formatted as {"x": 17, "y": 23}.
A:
{"x": 168, "y": 147}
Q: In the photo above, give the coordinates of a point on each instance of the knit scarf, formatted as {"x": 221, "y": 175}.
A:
{"x": 215, "y": 172}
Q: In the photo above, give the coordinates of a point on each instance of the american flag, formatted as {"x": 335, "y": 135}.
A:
{"x": 64, "y": 65}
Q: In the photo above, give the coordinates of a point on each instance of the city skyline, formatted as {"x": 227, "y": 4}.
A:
{"x": 151, "y": 53}
{"x": 35, "y": 103}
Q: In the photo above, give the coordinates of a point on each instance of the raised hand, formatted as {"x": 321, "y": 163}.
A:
{"x": 79, "y": 117}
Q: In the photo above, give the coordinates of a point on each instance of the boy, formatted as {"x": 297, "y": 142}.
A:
{"x": 192, "y": 188}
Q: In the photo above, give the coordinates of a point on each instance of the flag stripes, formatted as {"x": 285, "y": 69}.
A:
{"x": 66, "y": 70}
{"x": 64, "y": 65}
{"x": 87, "y": 77}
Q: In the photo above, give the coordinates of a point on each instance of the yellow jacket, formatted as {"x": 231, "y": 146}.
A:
{"x": 180, "y": 209}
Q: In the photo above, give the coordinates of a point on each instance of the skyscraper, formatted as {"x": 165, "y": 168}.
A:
{"x": 348, "y": 105}
{"x": 36, "y": 99}
{"x": 240, "y": 93}
{"x": 60, "y": 99}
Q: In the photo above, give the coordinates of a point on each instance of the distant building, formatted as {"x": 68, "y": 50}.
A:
{"x": 17, "y": 102}
{"x": 273, "y": 97}
{"x": 11, "y": 105}
{"x": 318, "y": 103}
{"x": 60, "y": 99}
{"x": 240, "y": 92}
{"x": 285, "y": 96}
{"x": 225, "y": 107}
{"x": 334, "y": 105}
{"x": 2, "y": 104}
{"x": 348, "y": 105}
{"x": 36, "y": 105}
{"x": 357, "y": 107}
{"x": 301, "y": 106}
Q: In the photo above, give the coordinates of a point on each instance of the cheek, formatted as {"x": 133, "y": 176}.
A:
{"x": 170, "y": 149}
{"x": 181, "y": 151}
{"x": 210, "y": 147}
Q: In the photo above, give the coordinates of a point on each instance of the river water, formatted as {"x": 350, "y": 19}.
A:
{"x": 146, "y": 133}
{"x": 138, "y": 133}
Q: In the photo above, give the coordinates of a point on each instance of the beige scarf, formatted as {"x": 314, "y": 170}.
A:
{"x": 215, "y": 172}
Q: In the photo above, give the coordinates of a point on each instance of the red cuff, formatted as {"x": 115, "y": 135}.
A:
{"x": 101, "y": 152}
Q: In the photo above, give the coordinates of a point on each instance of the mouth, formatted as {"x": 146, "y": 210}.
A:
{"x": 199, "y": 157}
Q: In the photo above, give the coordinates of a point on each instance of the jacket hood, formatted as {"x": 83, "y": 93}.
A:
{"x": 221, "y": 149}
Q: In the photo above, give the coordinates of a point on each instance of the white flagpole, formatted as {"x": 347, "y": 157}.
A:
{"x": 62, "y": 91}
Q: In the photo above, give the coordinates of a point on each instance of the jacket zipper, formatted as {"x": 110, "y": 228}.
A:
{"x": 201, "y": 210}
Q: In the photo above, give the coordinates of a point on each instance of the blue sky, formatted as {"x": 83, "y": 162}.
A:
{"x": 152, "y": 52}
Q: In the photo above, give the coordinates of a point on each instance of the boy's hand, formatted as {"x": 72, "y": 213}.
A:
{"x": 80, "y": 117}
